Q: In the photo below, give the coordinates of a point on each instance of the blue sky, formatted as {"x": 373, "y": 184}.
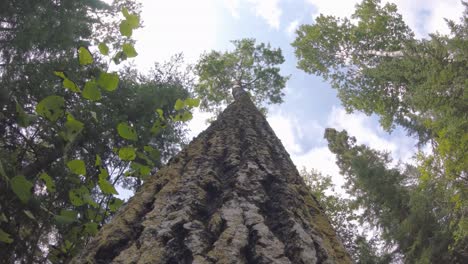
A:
{"x": 310, "y": 106}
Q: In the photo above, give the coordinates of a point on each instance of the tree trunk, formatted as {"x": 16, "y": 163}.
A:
{"x": 232, "y": 195}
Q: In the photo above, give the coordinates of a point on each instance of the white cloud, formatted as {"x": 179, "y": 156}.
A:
{"x": 269, "y": 10}
{"x": 291, "y": 29}
{"x": 360, "y": 126}
{"x": 198, "y": 123}
{"x": 371, "y": 134}
{"x": 293, "y": 133}
{"x": 333, "y": 7}
{"x": 176, "y": 26}
{"x": 233, "y": 7}
{"x": 287, "y": 130}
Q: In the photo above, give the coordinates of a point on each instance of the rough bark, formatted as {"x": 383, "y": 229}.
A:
{"x": 232, "y": 195}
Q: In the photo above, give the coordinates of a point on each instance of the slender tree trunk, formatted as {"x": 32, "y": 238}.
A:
{"x": 232, "y": 196}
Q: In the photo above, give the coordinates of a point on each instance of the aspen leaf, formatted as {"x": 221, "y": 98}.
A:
{"x": 84, "y": 56}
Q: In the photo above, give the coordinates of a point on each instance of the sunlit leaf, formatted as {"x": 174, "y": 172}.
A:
{"x": 51, "y": 107}
{"x": 108, "y": 81}
{"x": 126, "y": 131}
{"x": 91, "y": 91}
{"x": 160, "y": 113}
{"x": 21, "y": 187}
{"x": 127, "y": 153}
{"x": 98, "y": 161}
{"x": 77, "y": 166}
{"x": 72, "y": 128}
{"x": 192, "y": 102}
{"x": 103, "y": 48}
{"x": 106, "y": 187}
{"x": 129, "y": 50}
{"x": 49, "y": 182}
{"x": 67, "y": 83}
{"x": 84, "y": 56}
{"x": 179, "y": 104}
{"x": 185, "y": 116}
{"x": 126, "y": 28}
{"x": 132, "y": 19}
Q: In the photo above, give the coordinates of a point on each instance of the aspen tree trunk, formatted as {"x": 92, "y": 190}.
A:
{"x": 232, "y": 195}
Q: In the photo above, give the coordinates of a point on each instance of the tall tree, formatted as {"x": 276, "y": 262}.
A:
{"x": 346, "y": 220}
{"x": 378, "y": 66}
{"x": 415, "y": 216}
{"x": 232, "y": 196}
{"x": 254, "y": 67}
{"x": 70, "y": 129}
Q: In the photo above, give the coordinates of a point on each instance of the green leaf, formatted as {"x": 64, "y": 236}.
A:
{"x": 158, "y": 126}
{"x": 185, "y": 116}
{"x": 91, "y": 91}
{"x": 106, "y": 187}
{"x": 126, "y": 131}
{"x": 127, "y": 153}
{"x": 132, "y": 19}
{"x": 80, "y": 196}
{"x": 103, "y": 173}
{"x": 5, "y": 237}
{"x": 103, "y": 48}
{"x": 77, "y": 166}
{"x": 84, "y": 56}
{"x": 98, "y": 161}
{"x": 72, "y": 128}
{"x": 119, "y": 57}
{"x": 125, "y": 12}
{"x": 67, "y": 83}
{"x": 3, "y": 218}
{"x": 29, "y": 214}
{"x": 108, "y": 81}
{"x": 115, "y": 204}
{"x": 179, "y": 104}
{"x": 23, "y": 118}
{"x": 160, "y": 113}
{"x": 129, "y": 50}
{"x": 125, "y": 28}
{"x": 51, "y": 107}
{"x": 66, "y": 217}
{"x": 192, "y": 102}
{"x": 21, "y": 187}
{"x": 49, "y": 182}
{"x": 70, "y": 85}
{"x": 154, "y": 153}
{"x": 91, "y": 228}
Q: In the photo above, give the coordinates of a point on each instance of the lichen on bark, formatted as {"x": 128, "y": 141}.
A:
{"x": 232, "y": 195}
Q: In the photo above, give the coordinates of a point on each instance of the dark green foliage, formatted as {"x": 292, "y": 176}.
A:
{"x": 59, "y": 150}
{"x": 413, "y": 215}
{"x": 379, "y": 67}
{"x": 253, "y": 67}
{"x": 345, "y": 219}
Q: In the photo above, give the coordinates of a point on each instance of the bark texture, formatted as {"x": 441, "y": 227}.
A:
{"x": 232, "y": 196}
